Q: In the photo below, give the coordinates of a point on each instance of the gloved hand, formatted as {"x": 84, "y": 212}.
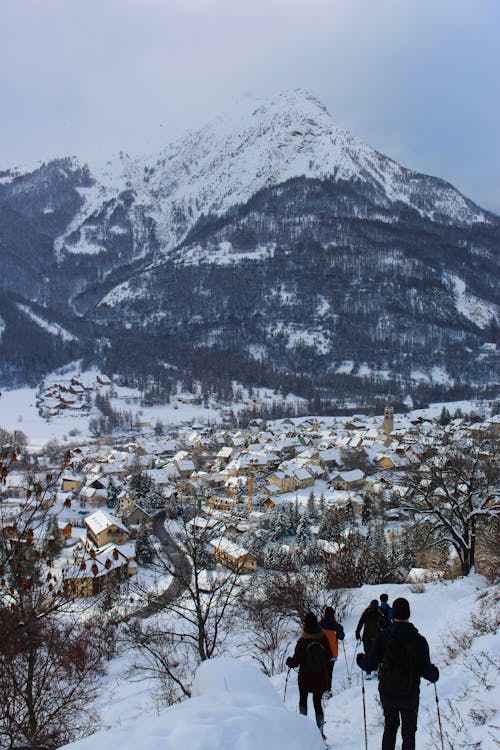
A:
{"x": 359, "y": 659}
{"x": 289, "y": 662}
{"x": 436, "y": 673}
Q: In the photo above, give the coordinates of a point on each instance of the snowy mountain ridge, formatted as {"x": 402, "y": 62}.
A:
{"x": 226, "y": 162}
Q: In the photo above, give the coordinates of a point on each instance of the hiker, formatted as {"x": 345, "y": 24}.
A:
{"x": 312, "y": 654}
{"x": 386, "y": 609}
{"x": 335, "y": 633}
{"x": 403, "y": 656}
{"x": 372, "y": 621}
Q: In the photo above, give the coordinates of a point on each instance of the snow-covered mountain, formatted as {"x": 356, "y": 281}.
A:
{"x": 270, "y": 232}
{"x": 253, "y": 147}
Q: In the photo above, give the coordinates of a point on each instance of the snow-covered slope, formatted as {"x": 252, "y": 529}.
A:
{"x": 234, "y": 707}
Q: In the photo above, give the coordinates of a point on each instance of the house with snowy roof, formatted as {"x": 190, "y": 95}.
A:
{"x": 233, "y": 556}
{"x": 347, "y": 480}
{"x": 183, "y": 463}
{"x": 90, "y": 575}
{"x": 103, "y": 528}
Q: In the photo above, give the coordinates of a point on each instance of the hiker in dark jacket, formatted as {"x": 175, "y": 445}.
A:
{"x": 403, "y": 655}
{"x": 385, "y": 607}
{"x": 335, "y": 633}
{"x": 372, "y": 622}
{"x": 311, "y": 680}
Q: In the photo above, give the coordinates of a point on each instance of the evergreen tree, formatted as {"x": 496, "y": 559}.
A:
{"x": 294, "y": 515}
{"x": 444, "y": 417}
{"x": 304, "y": 534}
{"x": 332, "y": 525}
{"x": 367, "y": 511}
{"x": 322, "y": 505}
{"x": 155, "y": 499}
{"x": 112, "y": 494}
{"x": 311, "y": 506}
{"x": 53, "y": 542}
{"x": 349, "y": 512}
{"x": 377, "y": 558}
{"x": 144, "y": 550}
{"x": 140, "y": 483}
{"x": 158, "y": 428}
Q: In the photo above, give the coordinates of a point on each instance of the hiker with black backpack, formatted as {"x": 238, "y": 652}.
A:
{"x": 402, "y": 655}
{"x": 371, "y": 622}
{"x": 311, "y": 656}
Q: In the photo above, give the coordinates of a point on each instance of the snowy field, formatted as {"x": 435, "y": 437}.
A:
{"x": 19, "y": 411}
{"x": 234, "y": 707}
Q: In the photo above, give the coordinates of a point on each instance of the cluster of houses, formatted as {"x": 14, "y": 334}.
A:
{"x": 71, "y": 396}
{"x": 217, "y": 469}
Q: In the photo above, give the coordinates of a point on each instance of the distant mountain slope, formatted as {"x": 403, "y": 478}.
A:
{"x": 270, "y": 236}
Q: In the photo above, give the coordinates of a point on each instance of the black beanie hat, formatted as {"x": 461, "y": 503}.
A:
{"x": 400, "y": 609}
{"x": 311, "y": 623}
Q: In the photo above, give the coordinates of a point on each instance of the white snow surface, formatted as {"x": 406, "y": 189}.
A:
{"x": 54, "y": 328}
{"x": 235, "y": 707}
{"x": 472, "y": 307}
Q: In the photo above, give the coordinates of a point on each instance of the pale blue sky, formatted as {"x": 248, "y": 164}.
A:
{"x": 417, "y": 79}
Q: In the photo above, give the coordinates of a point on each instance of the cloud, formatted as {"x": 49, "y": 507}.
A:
{"x": 413, "y": 78}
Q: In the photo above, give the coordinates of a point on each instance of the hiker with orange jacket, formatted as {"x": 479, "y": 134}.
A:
{"x": 311, "y": 656}
{"x": 335, "y": 633}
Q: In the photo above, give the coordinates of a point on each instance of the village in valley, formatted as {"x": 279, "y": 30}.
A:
{"x": 114, "y": 491}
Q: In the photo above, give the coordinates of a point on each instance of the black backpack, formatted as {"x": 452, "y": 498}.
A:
{"x": 315, "y": 656}
{"x": 396, "y": 671}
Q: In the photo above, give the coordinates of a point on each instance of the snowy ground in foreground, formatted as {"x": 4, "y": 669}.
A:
{"x": 237, "y": 708}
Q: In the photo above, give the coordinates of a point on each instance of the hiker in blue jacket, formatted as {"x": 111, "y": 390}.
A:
{"x": 385, "y": 607}
{"x": 403, "y": 656}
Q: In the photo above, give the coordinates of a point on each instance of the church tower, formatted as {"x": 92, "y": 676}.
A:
{"x": 388, "y": 424}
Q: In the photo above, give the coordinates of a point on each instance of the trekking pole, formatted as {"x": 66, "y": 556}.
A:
{"x": 353, "y": 659}
{"x": 439, "y": 717}
{"x": 286, "y": 683}
{"x": 346, "y": 664}
{"x": 364, "y": 707}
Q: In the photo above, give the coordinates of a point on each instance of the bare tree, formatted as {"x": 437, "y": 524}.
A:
{"x": 202, "y": 591}
{"x": 47, "y": 681}
{"x": 294, "y": 593}
{"x": 267, "y": 637}
{"x": 48, "y": 663}
{"x": 157, "y": 655}
{"x": 455, "y": 490}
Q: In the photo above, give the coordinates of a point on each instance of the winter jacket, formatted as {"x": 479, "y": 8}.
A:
{"x": 335, "y": 633}
{"x": 372, "y": 621}
{"x": 387, "y": 611}
{"x": 309, "y": 680}
{"x": 422, "y": 666}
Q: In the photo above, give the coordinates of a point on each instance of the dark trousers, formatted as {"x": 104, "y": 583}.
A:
{"x": 330, "y": 671}
{"x": 318, "y": 708}
{"x": 396, "y": 710}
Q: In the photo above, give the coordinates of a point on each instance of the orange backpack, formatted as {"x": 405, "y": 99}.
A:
{"x": 333, "y": 641}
